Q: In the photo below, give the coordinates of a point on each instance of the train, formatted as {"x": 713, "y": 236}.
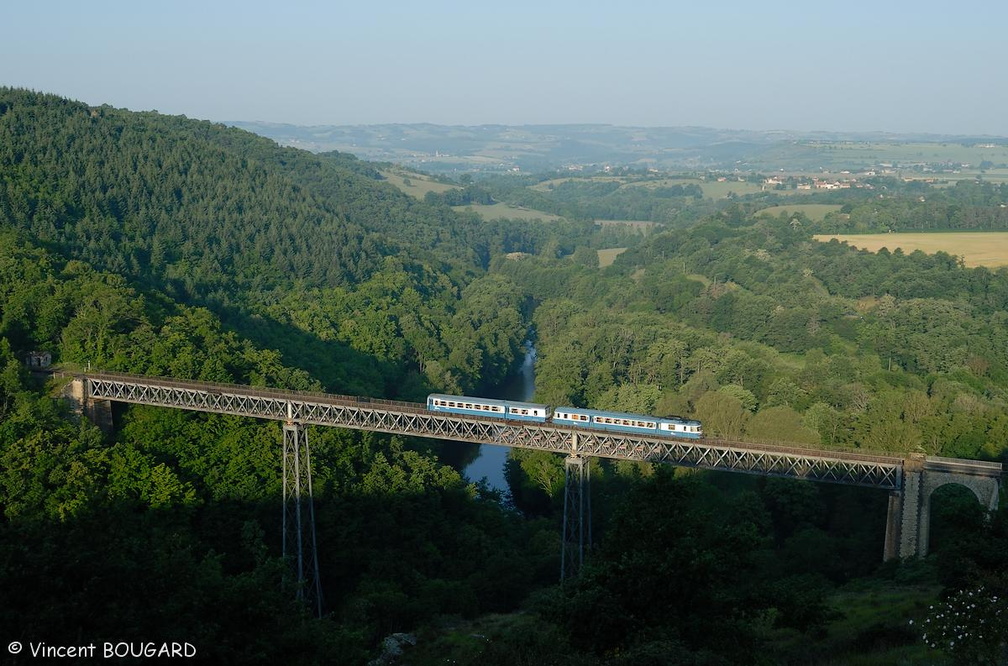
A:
{"x": 575, "y": 416}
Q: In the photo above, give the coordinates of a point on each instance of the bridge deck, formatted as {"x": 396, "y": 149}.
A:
{"x": 407, "y": 418}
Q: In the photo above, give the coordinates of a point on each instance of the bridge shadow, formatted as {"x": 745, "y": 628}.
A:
{"x": 208, "y": 572}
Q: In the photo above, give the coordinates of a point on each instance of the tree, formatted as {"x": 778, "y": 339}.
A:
{"x": 780, "y": 424}
{"x": 722, "y": 414}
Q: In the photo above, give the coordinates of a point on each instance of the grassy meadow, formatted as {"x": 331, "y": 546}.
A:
{"x": 638, "y": 225}
{"x": 871, "y": 152}
{"x": 814, "y": 212}
{"x": 500, "y": 211}
{"x": 415, "y": 184}
{"x": 607, "y": 256}
{"x": 988, "y": 249}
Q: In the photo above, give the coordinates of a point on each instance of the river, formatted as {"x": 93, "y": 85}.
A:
{"x": 489, "y": 464}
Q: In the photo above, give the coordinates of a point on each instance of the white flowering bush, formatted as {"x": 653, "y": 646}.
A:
{"x": 971, "y": 626}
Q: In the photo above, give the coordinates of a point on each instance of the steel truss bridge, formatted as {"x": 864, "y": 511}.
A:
{"x": 297, "y": 409}
{"x": 413, "y": 419}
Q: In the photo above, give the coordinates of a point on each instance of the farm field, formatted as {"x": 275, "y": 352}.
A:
{"x": 607, "y": 256}
{"x": 499, "y": 211}
{"x": 870, "y": 152}
{"x": 548, "y": 185}
{"x": 639, "y": 225}
{"x": 814, "y": 212}
{"x": 996, "y": 176}
{"x": 720, "y": 190}
{"x": 414, "y": 184}
{"x": 976, "y": 248}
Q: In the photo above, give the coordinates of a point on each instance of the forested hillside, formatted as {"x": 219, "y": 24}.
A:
{"x": 168, "y": 246}
{"x": 764, "y": 333}
{"x": 273, "y": 240}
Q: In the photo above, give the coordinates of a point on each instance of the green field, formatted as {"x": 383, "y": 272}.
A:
{"x": 814, "y": 212}
{"x": 976, "y": 248}
{"x": 639, "y": 225}
{"x": 608, "y": 255}
{"x": 871, "y": 152}
{"x": 720, "y": 190}
{"x": 548, "y": 185}
{"x": 414, "y": 184}
{"x": 500, "y": 211}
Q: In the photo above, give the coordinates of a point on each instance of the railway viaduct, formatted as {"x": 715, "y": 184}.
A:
{"x": 909, "y": 481}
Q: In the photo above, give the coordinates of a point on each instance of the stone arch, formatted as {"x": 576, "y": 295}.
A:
{"x": 985, "y": 488}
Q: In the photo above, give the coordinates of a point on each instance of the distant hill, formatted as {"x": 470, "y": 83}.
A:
{"x": 202, "y": 207}
{"x": 498, "y": 148}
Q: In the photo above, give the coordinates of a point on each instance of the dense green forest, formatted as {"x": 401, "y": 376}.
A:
{"x": 758, "y": 330}
{"x": 168, "y": 246}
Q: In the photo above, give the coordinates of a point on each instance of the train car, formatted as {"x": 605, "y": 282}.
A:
{"x": 678, "y": 427}
{"x": 488, "y": 407}
{"x": 602, "y": 420}
{"x": 586, "y": 418}
{"x": 572, "y": 416}
{"x": 527, "y": 411}
{"x": 462, "y": 404}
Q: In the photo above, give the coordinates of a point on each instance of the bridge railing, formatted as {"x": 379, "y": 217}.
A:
{"x": 773, "y": 447}
{"x": 258, "y": 391}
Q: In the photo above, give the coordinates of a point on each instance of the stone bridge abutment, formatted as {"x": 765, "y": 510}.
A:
{"x": 908, "y": 528}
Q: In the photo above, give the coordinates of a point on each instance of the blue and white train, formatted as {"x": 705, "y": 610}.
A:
{"x": 585, "y": 418}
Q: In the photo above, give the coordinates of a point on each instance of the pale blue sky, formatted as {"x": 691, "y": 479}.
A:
{"x": 846, "y": 66}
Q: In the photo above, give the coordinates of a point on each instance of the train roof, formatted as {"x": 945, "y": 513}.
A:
{"x": 485, "y": 401}
{"x": 679, "y": 419}
{"x": 627, "y": 415}
{"x": 530, "y": 405}
{"x": 466, "y": 398}
{"x": 602, "y": 412}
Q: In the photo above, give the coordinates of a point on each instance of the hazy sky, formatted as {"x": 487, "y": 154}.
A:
{"x": 890, "y": 65}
